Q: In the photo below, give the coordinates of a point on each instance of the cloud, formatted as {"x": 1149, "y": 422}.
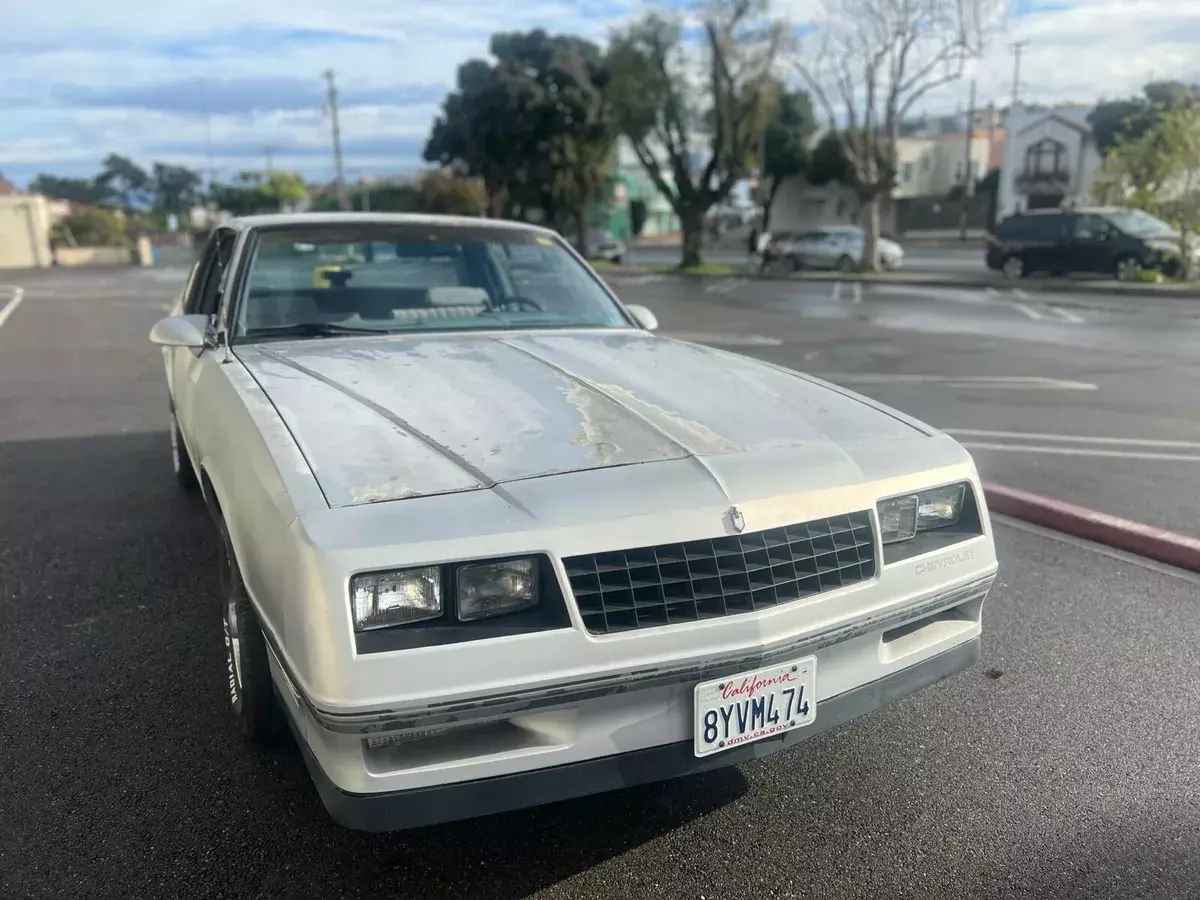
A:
{"x": 82, "y": 78}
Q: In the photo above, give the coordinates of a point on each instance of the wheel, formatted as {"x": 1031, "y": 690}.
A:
{"x": 251, "y": 695}
{"x": 618, "y": 260}
{"x": 846, "y": 264}
{"x": 794, "y": 263}
{"x": 1013, "y": 267}
{"x": 184, "y": 473}
{"x": 1128, "y": 268}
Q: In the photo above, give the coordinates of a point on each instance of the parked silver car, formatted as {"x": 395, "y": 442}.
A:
{"x": 835, "y": 247}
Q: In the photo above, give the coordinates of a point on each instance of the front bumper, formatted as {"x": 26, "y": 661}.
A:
{"x": 467, "y": 799}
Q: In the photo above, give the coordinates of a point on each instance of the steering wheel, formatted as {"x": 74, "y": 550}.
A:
{"x": 519, "y": 302}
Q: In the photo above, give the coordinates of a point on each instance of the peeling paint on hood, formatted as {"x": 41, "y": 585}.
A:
{"x": 402, "y": 416}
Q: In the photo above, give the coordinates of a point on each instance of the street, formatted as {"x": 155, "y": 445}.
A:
{"x": 943, "y": 260}
{"x": 1064, "y": 765}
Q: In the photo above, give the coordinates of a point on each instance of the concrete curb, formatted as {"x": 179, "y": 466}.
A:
{"x": 1132, "y": 537}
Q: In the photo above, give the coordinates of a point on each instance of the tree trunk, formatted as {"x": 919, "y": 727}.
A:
{"x": 870, "y": 226}
{"x": 497, "y": 196}
{"x": 771, "y": 192}
{"x": 693, "y": 238}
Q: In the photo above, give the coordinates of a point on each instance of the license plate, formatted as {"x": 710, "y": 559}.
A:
{"x": 753, "y": 705}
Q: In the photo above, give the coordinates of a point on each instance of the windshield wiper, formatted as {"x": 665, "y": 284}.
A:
{"x": 310, "y": 329}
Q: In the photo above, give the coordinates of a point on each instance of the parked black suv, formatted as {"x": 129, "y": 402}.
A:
{"x": 1117, "y": 242}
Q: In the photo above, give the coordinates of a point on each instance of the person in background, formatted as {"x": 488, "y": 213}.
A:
{"x": 752, "y": 248}
{"x": 761, "y": 248}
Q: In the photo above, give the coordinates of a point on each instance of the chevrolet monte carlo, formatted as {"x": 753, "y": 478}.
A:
{"x": 487, "y": 541}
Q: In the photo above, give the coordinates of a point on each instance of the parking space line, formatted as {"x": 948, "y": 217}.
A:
{"x": 858, "y": 292}
{"x": 1074, "y": 438}
{"x": 1009, "y": 382}
{"x": 837, "y": 292}
{"x": 11, "y": 306}
{"x": 1029, "y": 311}
{"x": 1080, "y": 451}
{"x": 1067, "y": 315}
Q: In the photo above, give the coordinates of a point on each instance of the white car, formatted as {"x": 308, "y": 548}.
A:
{"x": 835, "y": 247}
{"x": 488, "y": 542}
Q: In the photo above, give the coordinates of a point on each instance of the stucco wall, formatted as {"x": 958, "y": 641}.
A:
{"x": 24, "y": 230}
{"x": 70, "y": 257}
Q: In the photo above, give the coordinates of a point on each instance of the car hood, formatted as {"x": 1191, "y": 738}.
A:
{"x": 403, "y": 416}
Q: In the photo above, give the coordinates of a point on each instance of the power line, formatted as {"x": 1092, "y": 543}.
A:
{"x": 339, "y": 174}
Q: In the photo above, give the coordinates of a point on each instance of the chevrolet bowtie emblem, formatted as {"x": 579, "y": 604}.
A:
{"x": 736, "y": 519}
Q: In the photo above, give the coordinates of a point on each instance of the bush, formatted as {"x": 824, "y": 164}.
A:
{"x": 92, "y": 228}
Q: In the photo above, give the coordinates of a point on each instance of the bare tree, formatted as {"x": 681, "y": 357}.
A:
{"x": 873, "y": 60}
{"x": 668, "y": 94}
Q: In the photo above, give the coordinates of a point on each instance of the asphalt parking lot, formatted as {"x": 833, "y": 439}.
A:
{"x": 1065, "y": 765}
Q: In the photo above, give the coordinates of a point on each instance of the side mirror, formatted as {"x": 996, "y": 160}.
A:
{"x": 180, "y": 331}
{"x": 643, "y": 316}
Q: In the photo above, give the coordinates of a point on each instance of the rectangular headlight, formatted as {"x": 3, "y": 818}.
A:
{"x": 493, "y": 589}
{"x": 381, "y": 599}
{"x": 902, "y": 518}
{"x": 898, "y": 518}
{"x": 940, "y": 506}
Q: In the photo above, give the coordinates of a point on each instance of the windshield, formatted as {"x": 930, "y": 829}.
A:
{"x": 1136, "y": 223}
{"x": 317, "y": 281}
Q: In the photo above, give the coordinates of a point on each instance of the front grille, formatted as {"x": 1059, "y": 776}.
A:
{"x": 671, "y": 583}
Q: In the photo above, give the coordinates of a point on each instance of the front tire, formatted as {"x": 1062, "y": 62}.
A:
{"x": 846, "y": 264}
{"x": 182, "y": 463}
{"x": 1128, "y": 268}
{"x": 1013, "y": 267}
{"x": 251, "y": 694}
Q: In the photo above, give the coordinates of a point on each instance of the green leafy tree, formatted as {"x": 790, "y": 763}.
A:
{"x": 177, "y": 190}
{"x": 665, "y": 108}
{"x": 828, "y": 163}
{"x": 785, "y": 145}
{"x": 573, "y": 125}
{"x": 442, "y": 192}
{"x": 90, "y": 228}
{"x": 255, "y": 192}
{"x": 1132, "y": 118}
{"x": 125, "y": 184}
{"x": 873, "y": 61}
{"x": 77, "y": 190}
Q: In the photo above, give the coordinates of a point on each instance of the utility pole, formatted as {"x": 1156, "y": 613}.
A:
{"x": 1017, "y": 46}
{"x": 339, "y": 174}
{"x": 270, "y": 167}
{"x": 968, "y": 177}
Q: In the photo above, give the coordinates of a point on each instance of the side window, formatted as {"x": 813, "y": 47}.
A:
{"x": 1091, "y": 228}
{"x": 200, "y": 274}
{"x": 1047, "y": 228}
{"x": 206, "y": 297}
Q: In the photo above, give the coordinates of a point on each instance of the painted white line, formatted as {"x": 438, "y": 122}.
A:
{"x": 1067, "y": 316}
{"x": 858, "y": 292}
{"x": 837, "y": 292}
{"x": 1020, "y": 294}
{"x": 1029, "y": 311}
{"x": 11, "y": 306}
{"x": 991, "y": 292}
{"x": 1074, "y": 438}
{"x": 1018, "y": 382}
{"x": 1079, "y": 451}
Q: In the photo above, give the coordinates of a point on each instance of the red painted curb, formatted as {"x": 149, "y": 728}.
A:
{"x": 1133, "y": 537}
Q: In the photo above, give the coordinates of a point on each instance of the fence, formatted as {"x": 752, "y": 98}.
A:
{"x": 916, "y": 214}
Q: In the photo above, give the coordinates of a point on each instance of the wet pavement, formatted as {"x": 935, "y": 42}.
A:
{"x": 1064, "y": 766}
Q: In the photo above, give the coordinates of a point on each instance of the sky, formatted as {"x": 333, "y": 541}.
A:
{"x": 221, "y": 83}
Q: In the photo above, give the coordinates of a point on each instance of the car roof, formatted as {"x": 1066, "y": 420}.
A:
{"x": 282, "y": 220}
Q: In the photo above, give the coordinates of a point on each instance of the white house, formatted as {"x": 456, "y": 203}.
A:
{"x": 1050, "y": 158}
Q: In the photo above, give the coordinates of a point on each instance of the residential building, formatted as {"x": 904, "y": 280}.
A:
{"x": 931, "y": 166}
{"x": 7, "y": 188}
{"x": 1050, "y": 158}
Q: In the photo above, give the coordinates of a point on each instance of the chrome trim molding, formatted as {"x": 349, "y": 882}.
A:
{"x": 520, "y": 702}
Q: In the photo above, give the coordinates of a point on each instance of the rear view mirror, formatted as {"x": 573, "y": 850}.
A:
{"x": 180, "y": 331}
{"x": 643, "y": 316}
